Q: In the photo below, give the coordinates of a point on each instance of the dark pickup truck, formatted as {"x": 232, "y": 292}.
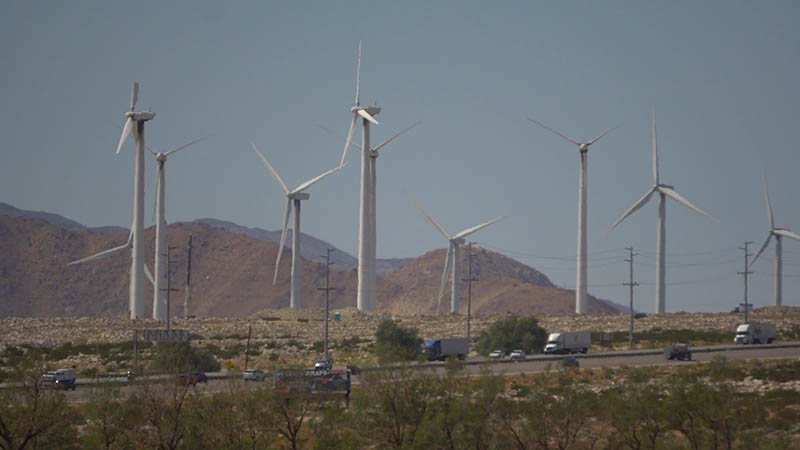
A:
{"x": 678, "y": 351}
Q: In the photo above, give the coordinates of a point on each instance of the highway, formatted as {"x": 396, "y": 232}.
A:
{"x": 219, "y": 382}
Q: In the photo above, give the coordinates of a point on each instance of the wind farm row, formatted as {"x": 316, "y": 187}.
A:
{"x": 367, "y": 235}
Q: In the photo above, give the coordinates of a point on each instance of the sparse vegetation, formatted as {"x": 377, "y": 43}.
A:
{"x": 513, "y": 333}
{"x": 394, "y": 342}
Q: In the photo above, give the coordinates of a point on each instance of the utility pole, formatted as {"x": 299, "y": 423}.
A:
{"x": 631, "y": 284}
{"x": 469, "y": 281}
{"x": 247, "y": 350}
{"x": 327, "y": 290}
{"x": 188, "y": 281}
{"x": 169, "y": 279}
{"x": 745, "y": 274}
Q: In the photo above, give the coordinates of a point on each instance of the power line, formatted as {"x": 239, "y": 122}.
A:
{"x": 744, "y": 275}
{"x": 631, "y": 284}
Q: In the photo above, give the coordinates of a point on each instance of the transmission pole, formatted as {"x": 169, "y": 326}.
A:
{"x": 745, "y": 274}
{"x": 469, "y": 281}
{"x": 169, "y": 287}
{"x": 188, "y": 281}
{"x": 631, "y": 284}
{"x": 327, "y": 290}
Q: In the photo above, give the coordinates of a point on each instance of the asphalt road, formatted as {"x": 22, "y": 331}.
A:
{"x": 218, "y": 382}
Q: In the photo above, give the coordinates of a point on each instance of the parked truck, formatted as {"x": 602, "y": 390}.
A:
{"x": 755, "y": 333}
{"x": 440, "y": 349}
{"x": 569, "y": 342}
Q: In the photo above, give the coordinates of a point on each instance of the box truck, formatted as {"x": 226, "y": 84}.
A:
{"x": 440, "y": 349}
{"x": 755, "y": 333}
{"x": 568, "y": 342}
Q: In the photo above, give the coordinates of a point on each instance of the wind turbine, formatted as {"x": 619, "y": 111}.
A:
{"x": 452, "y": 258}
{"x": 663, "y": 191}
{"x": 366, "y": 236}
{"x": 161, "y": 268}
{"x": 293, "y": 198}
{"x": 581, "y": 292}
{"x": 134, "y": 121}
{"x": 778, "y": 233}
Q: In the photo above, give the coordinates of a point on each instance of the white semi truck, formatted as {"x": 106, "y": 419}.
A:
{"x": 569, "y": 342}
{"x": 755, "y": 333}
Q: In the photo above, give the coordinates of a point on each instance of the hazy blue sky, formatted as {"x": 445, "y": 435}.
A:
{"x": 722, "y": 76}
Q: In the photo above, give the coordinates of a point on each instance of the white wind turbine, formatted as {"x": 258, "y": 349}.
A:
{"x": 161, "y": 268}
{"x": 778, "y": 233}
{"x": 293, "y": 200}
{"x": 366, "y": 237}
{"x": 134, "y": 121}
{"x": 452, "y": 258}
{"x": 581, "y": 292}
{"x": 663, "y": 191}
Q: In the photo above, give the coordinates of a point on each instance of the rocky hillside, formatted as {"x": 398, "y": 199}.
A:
{"x": 232, "y": 276}
{"x": 502, "y": 285}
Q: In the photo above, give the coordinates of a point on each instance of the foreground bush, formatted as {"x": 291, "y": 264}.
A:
{"x": 397, "y": 343}
{"x": 513, "y": 333}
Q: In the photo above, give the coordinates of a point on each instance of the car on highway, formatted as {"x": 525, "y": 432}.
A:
{"x": 323, "y": 365}
{"x": 253, "y": 375}
{"x": 678, "y": 351}
{"x": 517, "y": 355}
{"x": 570, "y": 362}
{"x": 497, "y": 354}
{"x": 192, "y": 378}
{"x": 60, "y": 379}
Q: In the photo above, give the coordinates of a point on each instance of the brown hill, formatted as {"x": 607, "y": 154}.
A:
{"x": 232, "y": 276}
{"x": 503, "y": 285}
{"x": 231, "y": 273}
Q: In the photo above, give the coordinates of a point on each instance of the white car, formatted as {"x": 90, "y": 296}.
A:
{"x": 518, "y": 355}
{"x": 497, "y": 354}
{"x": 253, "y": 375}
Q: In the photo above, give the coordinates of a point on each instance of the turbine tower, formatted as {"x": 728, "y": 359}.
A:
{"x": 366, "y": 235}
{"x": 663, "y": 191}
{"x": 778, "y": 233}
{"x": 452, "y": 258}
{"x": 134, "y": 121}
{"x": 581, "y": 293}
{"x": 293, "y": 198}
{"x": 161, "y": 268}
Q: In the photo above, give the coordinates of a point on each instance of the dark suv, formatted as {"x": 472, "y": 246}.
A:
{"x": 192, "y": 378}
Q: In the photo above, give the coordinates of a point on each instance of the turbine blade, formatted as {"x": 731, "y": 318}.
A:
{"x": 283, "y": 238}
{"x": 272, "y": 171}
{"x": 604, "y": 133}
{"x": 169, "y": 152}
{"x": 149, "y": 275}
{"x": 672, "y": 193}
{"x": 308, "y": 183}
{"x": 763, "y": 246}
{"x": 641, "y": 202}
{"x": 126, "y": 130}
{"x": 788, "y": 234}
{"x": 469, "y": 231}
{"x": 363, "y": 113}
{"x": 434, "y": 222}
{"x": 444, "y": 277}
{"x": 349, "y": 137}
{"x": 134, "y": 95}
{"x": 103, "y": 254}
{"x": 655, "y": 150}
{"x": 766, "y": 200}
{"x": 358, "y": 74}
{"x": 396, "y": 135}
{"x": 554, "y": 131}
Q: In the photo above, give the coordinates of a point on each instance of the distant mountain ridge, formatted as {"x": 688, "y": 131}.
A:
{"x": 232, "y": 268}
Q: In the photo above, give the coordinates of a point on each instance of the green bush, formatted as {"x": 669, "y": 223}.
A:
{"x": 181, "y": 357}
{"x": 397, "y": 343}
{"x": 513, "y": 333}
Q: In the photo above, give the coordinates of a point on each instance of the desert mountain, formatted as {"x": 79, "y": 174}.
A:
{"x": 502, "y": 285}
{"x": 232, "y": 274}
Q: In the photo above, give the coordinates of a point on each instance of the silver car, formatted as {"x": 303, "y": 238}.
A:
{"x": 518, "y": 355}
{"x": 497, "y": 354}
{"x": 253, "y": 375}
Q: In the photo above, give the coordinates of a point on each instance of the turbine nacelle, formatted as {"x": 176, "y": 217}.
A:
{"x": 583, "y": 148}
{"x": 141, "y": 116}
{"x": 458, "y": 241}
{"x": 663, "y": 186}
{"x": 298, "y": 196}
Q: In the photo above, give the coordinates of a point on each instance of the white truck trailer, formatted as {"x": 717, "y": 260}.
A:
{"x": 755, "y": 333}
{"x": 569, "y": 342}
